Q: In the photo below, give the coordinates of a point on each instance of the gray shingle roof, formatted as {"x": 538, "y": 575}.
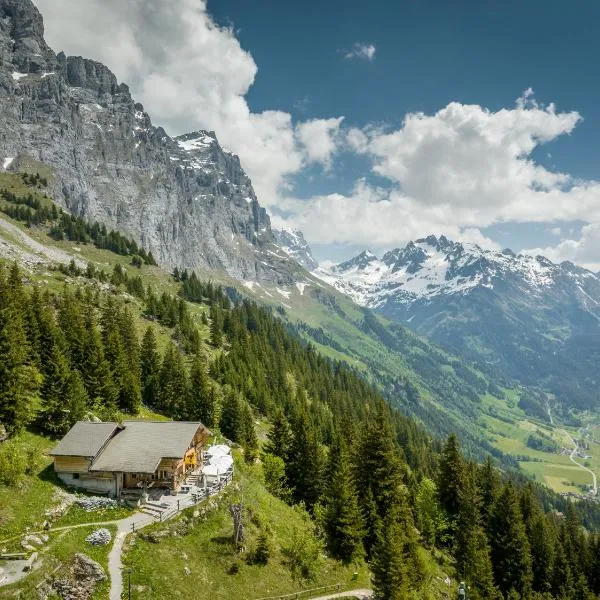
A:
{"x": 140, "y": 446}
{"x": 84, "y": 439}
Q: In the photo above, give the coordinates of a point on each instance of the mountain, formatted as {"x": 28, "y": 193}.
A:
{"x": 521, "y": 317}
{"x": 185, "y": 199}
{"x": 292, "y": 242}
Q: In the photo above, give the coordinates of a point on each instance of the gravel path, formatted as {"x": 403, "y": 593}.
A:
{"x": 359, "y": 594}
{"x": 115, "y": 567}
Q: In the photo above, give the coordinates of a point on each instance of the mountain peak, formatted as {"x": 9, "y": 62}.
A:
{"x": 432, "y": 267}
{"x": 292, "y": 242}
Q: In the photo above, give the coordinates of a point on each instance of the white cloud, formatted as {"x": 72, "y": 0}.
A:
{"x": 585, "y": 251}
{"x": 456, "y": 171}
{"x": 189, "y": 73}
{"x": 362, "y": 51}
{"x": 320, "y": 138}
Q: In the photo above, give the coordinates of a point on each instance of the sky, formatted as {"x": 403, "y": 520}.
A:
{"x": 368, "y": 124}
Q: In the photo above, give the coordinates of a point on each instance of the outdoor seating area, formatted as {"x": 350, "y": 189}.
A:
{"x": 204, "y": 481}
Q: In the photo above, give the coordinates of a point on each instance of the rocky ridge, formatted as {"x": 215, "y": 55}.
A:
{"x": 185, "y": 199}
{"x": 292, "y": 242}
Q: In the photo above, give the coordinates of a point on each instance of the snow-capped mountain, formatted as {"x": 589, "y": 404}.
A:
{"x": 431, "y": 267}
{"x": 523, "y": 317}
{"x": 292, "y": 242}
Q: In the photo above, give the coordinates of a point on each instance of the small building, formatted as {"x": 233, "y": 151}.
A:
{"x": 111, "y": 457}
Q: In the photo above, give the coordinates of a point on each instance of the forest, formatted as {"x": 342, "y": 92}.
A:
{"x": 375, "y": 482}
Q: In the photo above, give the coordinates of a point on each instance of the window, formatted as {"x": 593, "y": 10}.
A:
{"x": 75, "y": 475}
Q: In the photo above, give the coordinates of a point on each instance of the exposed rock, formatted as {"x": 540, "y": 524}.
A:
{"x": 34, "y": 540}
{"x": 85, "y": 574}
{"x": 92, "y": 503}
{"x": 185, "y": 199}
{"x": 87, "y": 568}
{"x": 100, "y": 537}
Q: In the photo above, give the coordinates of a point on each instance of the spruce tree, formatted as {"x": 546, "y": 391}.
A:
{"x": 250, "y": 438}
{"x": 149, "y": 367}
{"x": 95, "y": 369}
{"x": 395, "y": 565}
{"x": 202, "y": 401}
{"x": 173, "y": 384}
{"x": 19, "y": 378}
{"x": 341, "y": 514}
{"x": 472, "y": 552}
{"x": 279, "y": 437}
{"x": 510, "y": 549}
{"x": 449, "y": 480}
{"x": 304, "y": 462}
{"x": 232, "y": 422}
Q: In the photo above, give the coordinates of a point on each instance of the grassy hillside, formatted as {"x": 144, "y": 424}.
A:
{"x": 197, "y": 552}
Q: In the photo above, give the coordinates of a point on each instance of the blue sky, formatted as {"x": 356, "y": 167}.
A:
{"x": 427, "y": 54}
{"x": 478, "y": 119}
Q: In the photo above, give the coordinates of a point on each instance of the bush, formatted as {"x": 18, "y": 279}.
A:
{"x": 304, "y": 555}
{"x": 17, "y": 459}
{"x": 262, "y": 552}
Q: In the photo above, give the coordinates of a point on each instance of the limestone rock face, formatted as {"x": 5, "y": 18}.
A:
{"x": 185, "y": 199}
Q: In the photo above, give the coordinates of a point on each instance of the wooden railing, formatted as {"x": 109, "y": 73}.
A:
{"x": 336, "y": 588}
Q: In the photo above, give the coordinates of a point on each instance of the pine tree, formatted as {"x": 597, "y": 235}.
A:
{"x": 149, "y": 367}
{"x": 395, "y": 565}
{"x": 19, "y": 378}
{"x": 342, "y": 518}
{"x": 202, "y": 401}
{"x": 449, "y": 480}
{"x": 510, "y": 549}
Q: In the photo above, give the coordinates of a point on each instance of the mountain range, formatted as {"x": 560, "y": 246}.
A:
{"x": 520, "y": 317}
{"x": 187, "y": 200}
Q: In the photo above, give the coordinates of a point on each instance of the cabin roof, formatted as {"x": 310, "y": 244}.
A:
{"x": 85, "y": 438}
{"x": 140, "y": 445}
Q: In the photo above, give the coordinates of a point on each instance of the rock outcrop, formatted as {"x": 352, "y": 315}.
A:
{"x": 185, "y": 199}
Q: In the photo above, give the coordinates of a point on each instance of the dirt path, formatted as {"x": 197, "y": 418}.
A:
{"x": 359, "y": 594}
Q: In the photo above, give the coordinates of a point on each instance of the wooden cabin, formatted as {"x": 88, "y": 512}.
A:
{"x": 111, "y": 457}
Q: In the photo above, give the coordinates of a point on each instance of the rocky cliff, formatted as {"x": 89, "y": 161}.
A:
{"x": 185, "y": 199}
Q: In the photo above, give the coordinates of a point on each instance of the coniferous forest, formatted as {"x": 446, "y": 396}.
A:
{"x": 377, "y": 485}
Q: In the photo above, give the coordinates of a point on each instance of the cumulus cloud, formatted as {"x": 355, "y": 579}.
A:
{"x": 320, "y": 138}
{"x": 456, "y": 171}
{"x": 189, "y": 73}
{"x": 585, "y": 251}
{"x": 362, "y": 51}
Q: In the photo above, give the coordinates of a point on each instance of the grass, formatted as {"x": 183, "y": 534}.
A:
{"x": 56, "y": 558}
{"x": 209, "y": 553}
{"x": 24, "y": 505}
{"x": 205, "y": 546}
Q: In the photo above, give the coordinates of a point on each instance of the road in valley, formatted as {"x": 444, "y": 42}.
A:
{"x": 572, "y": 457}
